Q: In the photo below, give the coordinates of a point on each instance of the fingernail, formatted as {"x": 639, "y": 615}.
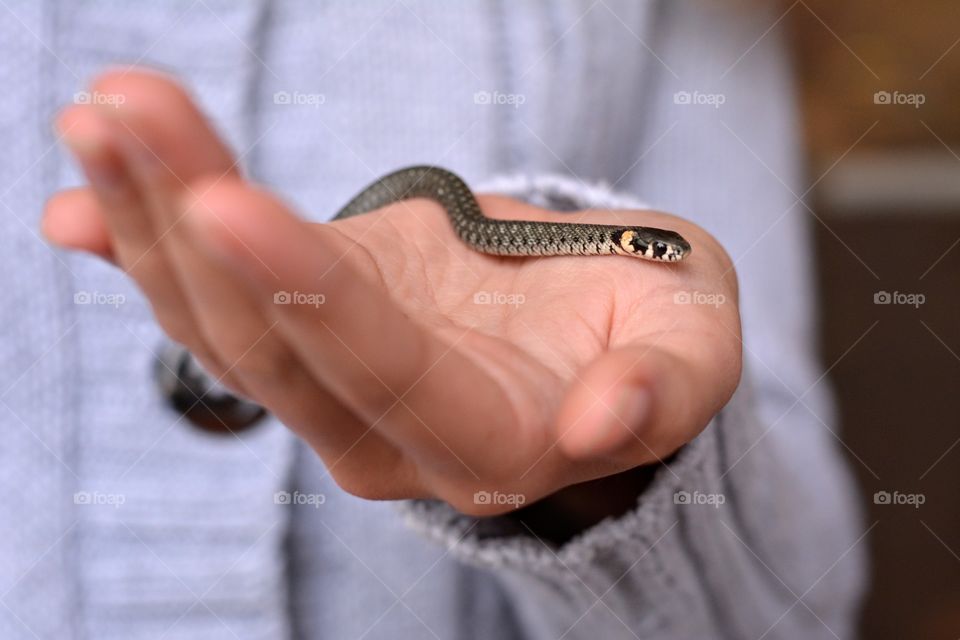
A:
{"x": 631, "y": 410}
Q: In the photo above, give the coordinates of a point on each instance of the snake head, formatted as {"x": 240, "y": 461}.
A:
{"x": 652, "y": 244}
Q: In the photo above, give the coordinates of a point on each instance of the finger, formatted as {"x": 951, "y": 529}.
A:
{"x": 72, "y": 219}
{"x": 88, "y": 137}
{"x": 164, "y": 143}
{"x": 170, "y": 148}
{"x": 133, "y": 241}
{"x": 636, "y": 405}
{"x": 154, "y": 119}
{"x": 421, "y": 393}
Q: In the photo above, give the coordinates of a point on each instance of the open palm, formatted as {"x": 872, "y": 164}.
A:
{"x": 415, "y": 366}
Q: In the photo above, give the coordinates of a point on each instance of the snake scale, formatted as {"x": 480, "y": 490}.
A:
{"x": 211, "y": 406}
{"x": 513, "y": 237}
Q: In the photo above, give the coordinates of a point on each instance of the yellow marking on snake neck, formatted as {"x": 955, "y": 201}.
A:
{"x": 625, "y": 241}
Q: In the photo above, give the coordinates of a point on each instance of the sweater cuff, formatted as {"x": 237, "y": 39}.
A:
{"x": 546, "y": 579}
{"x": 498, "y": 541}
{"x": 559, "y": 193}
{"x": 495, "y": 543}
{"x": 635, "y": 571}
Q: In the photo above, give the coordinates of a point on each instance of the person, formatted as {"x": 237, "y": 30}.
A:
{"x": 460, "y": 446}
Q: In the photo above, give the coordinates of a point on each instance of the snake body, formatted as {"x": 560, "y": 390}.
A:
{"x": 513, "y": 237}
{"x": 186, "y": 384}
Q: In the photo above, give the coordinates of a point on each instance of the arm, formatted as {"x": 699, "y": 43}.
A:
{"x": 787, "y": 527}
{"x": 725, "y": 521}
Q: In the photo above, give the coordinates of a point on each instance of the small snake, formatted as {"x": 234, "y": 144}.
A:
{"x": 513, "y": 237}
{"x": 206, "y": 403}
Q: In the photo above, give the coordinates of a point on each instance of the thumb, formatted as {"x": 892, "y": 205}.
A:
{"x": 634, "y": 405}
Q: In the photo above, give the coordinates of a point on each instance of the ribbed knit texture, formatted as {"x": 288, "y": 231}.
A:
{"x": 117, "y": 520}
{"x": 38, "y": 467}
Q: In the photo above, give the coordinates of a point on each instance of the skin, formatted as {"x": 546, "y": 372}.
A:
{"x": 404, "y": 386}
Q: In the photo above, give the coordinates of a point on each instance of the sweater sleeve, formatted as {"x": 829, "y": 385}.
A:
{"x": 751, "y": 530}
{"x": 730, "y": 539}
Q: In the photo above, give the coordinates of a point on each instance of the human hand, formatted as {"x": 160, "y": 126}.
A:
{"x": 428, "y": 370}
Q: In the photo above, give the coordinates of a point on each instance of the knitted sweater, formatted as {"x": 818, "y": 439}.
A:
{"x": 118, "y": 520}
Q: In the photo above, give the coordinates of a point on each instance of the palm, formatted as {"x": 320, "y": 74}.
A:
{"x": 404, "y": 383}
{"x": 533, "y": 324}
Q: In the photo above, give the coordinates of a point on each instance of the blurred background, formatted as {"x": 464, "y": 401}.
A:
{"x": 881, "y": 82}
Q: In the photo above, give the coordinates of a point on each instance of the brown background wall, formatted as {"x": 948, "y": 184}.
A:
{"x": 899, "y": 387}
{"x": 849, "y": 50}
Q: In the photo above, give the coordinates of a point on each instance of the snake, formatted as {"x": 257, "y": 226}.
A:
{"x": 211, "y": 406}
{"x": 513, "y": 237}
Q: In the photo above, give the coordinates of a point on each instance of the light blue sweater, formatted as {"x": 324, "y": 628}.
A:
{"x": 117, "y": 520}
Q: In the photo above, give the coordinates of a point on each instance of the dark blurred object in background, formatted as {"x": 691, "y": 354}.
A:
{"x": 880, "y": 88}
